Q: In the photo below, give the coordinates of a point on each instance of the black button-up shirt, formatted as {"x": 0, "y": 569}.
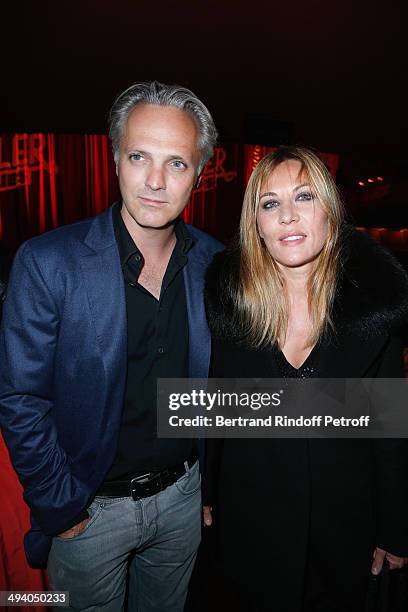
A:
{"x": 157, "y": 347}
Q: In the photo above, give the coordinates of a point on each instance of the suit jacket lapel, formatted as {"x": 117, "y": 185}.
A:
{"x": 199, "y": 335}
{"x": 103, "y": 282}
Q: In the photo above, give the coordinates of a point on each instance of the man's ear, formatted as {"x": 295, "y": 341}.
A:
{"x": 117, "y": 168}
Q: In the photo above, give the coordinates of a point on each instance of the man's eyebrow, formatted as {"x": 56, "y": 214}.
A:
{"x": 136, "y": 150}
{"x": 168, "y": 157}
{"x": 177, "y": 156}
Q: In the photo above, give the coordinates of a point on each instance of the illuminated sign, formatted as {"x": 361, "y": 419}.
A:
{"x": 215, "y": 171}
{"x": 27, "y": 153}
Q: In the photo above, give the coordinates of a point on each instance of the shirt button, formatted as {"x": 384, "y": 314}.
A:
{"x": 132, "y": 284}
{"x": 137, "y": 257}
{"x": 160, "y": 350}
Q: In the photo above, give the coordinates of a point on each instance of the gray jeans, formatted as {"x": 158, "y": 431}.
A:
{"x": 147, "y": 545}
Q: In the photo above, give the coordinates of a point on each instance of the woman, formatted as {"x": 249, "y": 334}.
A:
{"x": 301, "y": 522}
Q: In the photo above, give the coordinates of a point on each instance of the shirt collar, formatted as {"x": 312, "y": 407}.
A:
{"x": 129, "y": 253}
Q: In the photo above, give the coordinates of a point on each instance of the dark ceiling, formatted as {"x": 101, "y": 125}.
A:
{"x": 335, "y": 70}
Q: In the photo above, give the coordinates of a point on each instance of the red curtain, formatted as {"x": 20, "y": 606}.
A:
{"x": 47, "y": 180}
{"x": 15, "y": 574}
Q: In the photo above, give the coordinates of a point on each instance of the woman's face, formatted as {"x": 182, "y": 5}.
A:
{"x": 290, "y": 219}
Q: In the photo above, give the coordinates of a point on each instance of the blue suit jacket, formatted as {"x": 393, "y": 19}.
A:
{"x": 63, "y": 365}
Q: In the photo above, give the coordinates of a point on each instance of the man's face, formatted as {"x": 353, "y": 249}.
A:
{"x": 157, "y": 165}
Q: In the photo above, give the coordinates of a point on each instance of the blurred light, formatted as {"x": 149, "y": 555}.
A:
{"x": 370, "y": 180}
{"x": 380, "y": 178}
{"x": 361, "y": 183}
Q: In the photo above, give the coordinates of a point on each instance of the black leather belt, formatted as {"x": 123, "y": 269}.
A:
{"x": 144, "y": 484}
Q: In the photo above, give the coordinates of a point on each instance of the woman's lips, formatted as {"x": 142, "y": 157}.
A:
{"x": 292, "y": 239}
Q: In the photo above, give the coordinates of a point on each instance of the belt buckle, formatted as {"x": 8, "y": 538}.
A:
{"x": 139, "y": 480}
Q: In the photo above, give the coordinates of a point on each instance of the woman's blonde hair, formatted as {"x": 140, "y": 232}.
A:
{"x": 261, "y": 299}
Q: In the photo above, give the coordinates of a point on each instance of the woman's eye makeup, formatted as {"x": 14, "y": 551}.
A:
{"x": 270, "y": 204}
{"x": 305, "y": 196}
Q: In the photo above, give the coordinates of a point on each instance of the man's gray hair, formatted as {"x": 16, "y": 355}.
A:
{"x": 159, "y": 94}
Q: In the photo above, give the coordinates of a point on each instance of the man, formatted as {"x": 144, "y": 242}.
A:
{"x": 4, "y": 269}
{"x": 95, "y": 313}
{"x": 2, "y": 296}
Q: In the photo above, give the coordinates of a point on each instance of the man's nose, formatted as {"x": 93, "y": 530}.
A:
{"x": 288, "y": 212}
{"x": 155, "y": 178}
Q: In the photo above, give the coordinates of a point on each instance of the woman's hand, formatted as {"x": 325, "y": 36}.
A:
{"x": 394, "y": 561}
{"x": 207, "y": 516}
